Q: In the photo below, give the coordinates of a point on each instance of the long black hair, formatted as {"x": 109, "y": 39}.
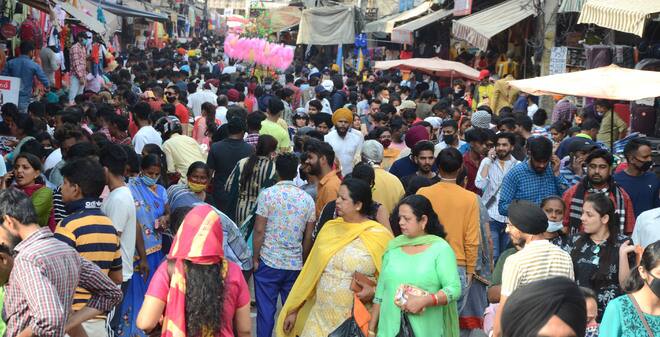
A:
{"x": 205, "y": 293}
{"x": 420, "y": 206}
{"x": 266, "y": 145}
{"x": 650, "y": 260}
{"x": 609, "y": 253}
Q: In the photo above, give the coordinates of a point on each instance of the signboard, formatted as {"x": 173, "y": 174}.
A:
{"x": 462, "y": 7}
{"x": 228, "y": 11}
{"x": 558, "y": 60}
{"x": 9, "y": 89}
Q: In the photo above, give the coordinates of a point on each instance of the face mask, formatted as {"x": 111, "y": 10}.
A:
{"x": 196, "y": 188}
{"x": 554, "y": 226}
{"x": 448, "y": 139}
{"x": 646, "y": 166}
{"x": 149, "y": 181}
{"x": 171, "y": 99}
{"x": 654, "y": 285}
{"x": 386, "y": 143}
{"x": 304, "y": 87}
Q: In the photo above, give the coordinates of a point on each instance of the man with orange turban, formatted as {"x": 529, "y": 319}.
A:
{"x": 344, "y": 141}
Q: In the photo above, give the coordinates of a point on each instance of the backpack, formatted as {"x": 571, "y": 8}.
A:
{"x": 30, "y": 31}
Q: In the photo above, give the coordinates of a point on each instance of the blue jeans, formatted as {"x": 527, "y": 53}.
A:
{"x": 500, "y": 238}
{"x": 269, "y": 284}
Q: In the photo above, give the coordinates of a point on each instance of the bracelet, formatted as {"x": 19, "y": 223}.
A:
{"x": 435, "y": 299}
{"x": 371, "y": 333}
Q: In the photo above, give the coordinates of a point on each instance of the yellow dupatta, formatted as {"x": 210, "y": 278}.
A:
{"x": 334, "y": 236}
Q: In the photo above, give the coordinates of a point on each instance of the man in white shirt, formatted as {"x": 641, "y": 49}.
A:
{"x": 646, "y": 229}
{"x": 146, "y": 134}
{"x": 195, "y": 100}
{"x": 221, "y": 110}
{"x": 489, "y": 178}
{"x": 119, "y": 206}
{"x": 345, "y": 144}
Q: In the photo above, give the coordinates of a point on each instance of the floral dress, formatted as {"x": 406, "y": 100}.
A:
{"x": 586, "y": 255}
{"x": 334, "y": 299}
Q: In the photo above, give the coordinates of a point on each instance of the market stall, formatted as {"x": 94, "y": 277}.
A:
{"x": 611, "y": 82}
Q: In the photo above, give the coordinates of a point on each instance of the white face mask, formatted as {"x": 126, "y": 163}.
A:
{"x": 554, "y": 226}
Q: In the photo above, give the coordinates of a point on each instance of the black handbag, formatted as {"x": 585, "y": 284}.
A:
{"x": 349, "y": 328}
{"x": 406, "y": 329}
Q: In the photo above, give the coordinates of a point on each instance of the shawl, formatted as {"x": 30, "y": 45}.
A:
{"x": 612, "y": 190}
{"x": 199, "y": 240}
{"x": 334, "y": 236}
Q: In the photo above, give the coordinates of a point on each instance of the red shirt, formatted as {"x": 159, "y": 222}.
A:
{"x": 237, "y": 294}
{"x": 471, "y": 167}
{"x": 181, "y": 113}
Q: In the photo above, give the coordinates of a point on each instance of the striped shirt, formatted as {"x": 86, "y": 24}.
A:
{"x": 92, "y": 234}
{"x": 538, "y": 260}
{"x": 41, "y": 286}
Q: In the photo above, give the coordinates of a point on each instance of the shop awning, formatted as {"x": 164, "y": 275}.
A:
{"x": 404, "y": 33}
{"x": 127, "y": 11}
{"x": 626, "y": 16}
{"x": 478, "y": 28}
{"x": 568, "y": 6}
{"x": 76, "y": 14}
{"x": 327, "y": 25}
{"x": 86, "y": 20}
{"x": 386, "y": 23}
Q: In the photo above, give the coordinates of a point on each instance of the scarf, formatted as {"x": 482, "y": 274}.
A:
{"x": 575, "y": 211}
{"x": 199, "y": 240}
{"x": 334, "y": 236}
{"x": 29, "y": 190}
{"x": 450, "y": 311}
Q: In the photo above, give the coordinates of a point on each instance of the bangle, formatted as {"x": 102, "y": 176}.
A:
{"x": 435, "y": 299}
{"x": 371, "y": 333}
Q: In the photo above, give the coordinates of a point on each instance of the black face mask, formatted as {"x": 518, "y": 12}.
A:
{"x": 448, "y": 139}
{"x": 171, "y": 99}
{"x": 654, "y": 285}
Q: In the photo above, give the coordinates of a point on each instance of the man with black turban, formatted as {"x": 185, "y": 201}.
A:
{"x": 552, "y": 307}
{"x": 537, "y": 260}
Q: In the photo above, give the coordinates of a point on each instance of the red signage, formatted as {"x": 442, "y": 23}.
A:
{"x": 8, "y": 30}
{"x": 5, "y": 85}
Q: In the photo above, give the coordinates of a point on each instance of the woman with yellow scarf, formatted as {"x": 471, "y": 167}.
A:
{"x": 321, "y": 298}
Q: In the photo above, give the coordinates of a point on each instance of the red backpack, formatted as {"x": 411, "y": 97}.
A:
{"x": 30, "y": 31}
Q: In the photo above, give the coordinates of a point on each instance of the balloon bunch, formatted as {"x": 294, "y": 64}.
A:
{"x": 258, "y": 51}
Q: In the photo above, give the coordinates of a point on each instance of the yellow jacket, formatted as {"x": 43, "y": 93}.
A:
{"x": 504, "y": 94}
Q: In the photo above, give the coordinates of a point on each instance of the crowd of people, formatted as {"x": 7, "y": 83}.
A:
{"x": 146, "y": 205}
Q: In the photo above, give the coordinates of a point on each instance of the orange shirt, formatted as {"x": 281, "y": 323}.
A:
{"x": 327, "y": 190}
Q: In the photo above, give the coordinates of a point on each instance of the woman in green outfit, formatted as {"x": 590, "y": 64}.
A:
{"x": 621, "y": 319}
{"x": 26, "y": 177}
{"x": 421, "y": 258}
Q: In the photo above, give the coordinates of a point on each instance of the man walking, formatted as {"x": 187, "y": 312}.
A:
{"x": 535, "y": 178}
{"x": 88, "y": 230}
{"x": 78, "y": 61}
{"x": 40, "y": 291}
{"x": 489, "y": 178}
{"x": 598, "y": 180}
{"x": 24, "y": 68}
{"x": 537, "y": 260}
{"x": 320, "y": 157}
{"x": 422, "y": 155}
{"x": 343, "y": 140}
{"x": 282, "y": 239}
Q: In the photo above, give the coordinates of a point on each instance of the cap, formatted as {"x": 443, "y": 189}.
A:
{"x": 481, "y": 119}
{"x": 436, "y": 122}
{"x": 483, "y": 74}
{"x": 407, "y": 105}
{"x": 328, "y": 85}
{"x": 372, "y": 151}
{"x": 149, "y": 94}
{"x": 319, "y": 89}
{"x": 300, "y": 112}
{"x": 581, "y": 144}
{"x": 528, "y": 217}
